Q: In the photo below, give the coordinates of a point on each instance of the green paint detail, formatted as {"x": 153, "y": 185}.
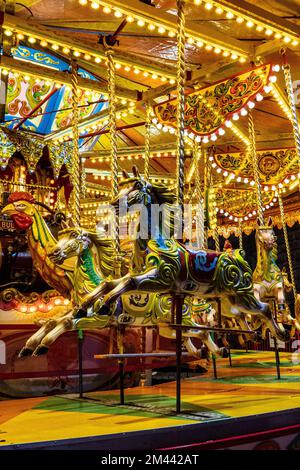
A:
{"x": 80, "y": 334}
{"x": 265, "y": 364}
{"x": 89, "y": 267}
{"x": 162, "y": 403}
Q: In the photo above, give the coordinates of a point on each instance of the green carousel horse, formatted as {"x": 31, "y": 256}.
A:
{"x": 269, "y": 281}
{"x": 90, "y": 259}
{"x": 168, "y": 267}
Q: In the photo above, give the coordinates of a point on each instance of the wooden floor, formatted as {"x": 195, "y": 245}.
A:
{"x": 249, "y": 387}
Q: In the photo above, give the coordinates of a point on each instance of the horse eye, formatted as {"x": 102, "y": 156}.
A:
{"x": 74, "y": 234}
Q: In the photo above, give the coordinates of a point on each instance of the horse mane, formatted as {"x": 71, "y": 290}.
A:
{"x": 105, "y": 252}
{"x": 164, "y": 194}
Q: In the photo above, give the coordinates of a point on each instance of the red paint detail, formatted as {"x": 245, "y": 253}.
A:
{"x": 240, "y": 439}
{"x": 20, "y": 196}
{"x": 35, "y": 108}
{"x": 22, "y": 221}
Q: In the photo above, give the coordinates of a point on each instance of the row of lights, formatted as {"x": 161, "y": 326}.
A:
{"x": 269, "y": 31}
{"x": 80, "y": 53}
{"x": 155, "y": 26}
{"x": 226, "y": 214}
{"x": 88, "y": 128}
{"x": 139, "y": 156}
{"x": 121, "y": 178}
{"x": 42, "y": 307}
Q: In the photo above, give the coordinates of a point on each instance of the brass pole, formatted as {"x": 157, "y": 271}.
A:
{"x": 75, "y": 156}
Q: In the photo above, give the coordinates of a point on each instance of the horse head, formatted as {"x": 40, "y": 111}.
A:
{"x": 72, "y": 242}
{"x": 135, "y": 190}
{"x": 265, "y": 235}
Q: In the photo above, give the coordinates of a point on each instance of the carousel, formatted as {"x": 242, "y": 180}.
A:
{"x": 149, "y": 230}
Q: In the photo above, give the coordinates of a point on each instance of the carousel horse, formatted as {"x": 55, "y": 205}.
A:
{"x": 170, "y": 268}
{"x": 92, "y": 262}
{"x": 269, "y": 281}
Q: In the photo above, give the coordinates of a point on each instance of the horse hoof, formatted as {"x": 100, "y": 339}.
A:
{"x": 40, "y": 350}
{"x": 224, "y": 352}
{"x": 81, "y": 313}
{"x": 25, "y": 352}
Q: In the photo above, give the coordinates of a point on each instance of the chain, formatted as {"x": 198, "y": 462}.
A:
{"x": 291, "y": 98}
{"x": 287, "y": 245}
{"x": 113, "y": 152}
{"x": 255, "y": 168}
{"x": 147, "y": 141}
{"x": 75, "y": 155}
{"x": 181, "y": 100}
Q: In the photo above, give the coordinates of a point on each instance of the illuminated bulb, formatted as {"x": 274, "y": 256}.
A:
{"x": 23, "y": 309}
{"x": 106, "y": 10}
{"x": 172, "y": 81}
{"x": 117, "y": 66}
{"x": 272, "y": 78}
{"x": 136, "y": 71}
{"x": 87, "y": 56}
{"x": 190, "y": 40}
{"x": 200, "y": 44}
{"x": 31, "y": 40}
{"x": 55, "y": 47}
{"x": 234, "y": 56}
{"x": 154, "y": 76}
{"x": 26, "y": 78}
{"x": 8, "y": 32}
{"x": 205, "y": 140}
{"x": 276, "y": 68}
{"x": 269, "y": 32}
{"x": 228, "y": 123}
{"x": 219, "y": 10}
{"x": 208, "y": 6}
{"x": 20, "y": 36}
{"x": 118, "y": 14}
{"x": 287, "y": 39}
{"x": 226, "y": 53}
{"x": 213, "y": 137}
{"x": 235, "y": 117}
{"x": 161, "y": 30}
{"x": 208, "y": 47}
{"x": 197, "y": 2}
{"x": 251, "y": 104}
{"x": 229, "y": 15}
{"x": 217, "y": 50}
{"x": 295, "y": 42}
{"x": 278, "y": 35}
{"x": 141, "y": 23}
{"x": 267, "y": 89}
{"x": 240, "y": 19}
{"x": 76, "y": 53}
{"x": 221, "y": 131}
{"x": 95, "y": 5}
{"x": 151, "y": 27}
{"x": 259, "y": 28}
{"x": 239, "y": 179}
{"x": 259, "y": 97}
{"x": 244, "y": 112}
{"x": 127, "y": 68}
{"x": 97, "y": 60}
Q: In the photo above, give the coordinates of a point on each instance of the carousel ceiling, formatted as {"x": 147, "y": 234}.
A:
{"x": 232, "y": 56}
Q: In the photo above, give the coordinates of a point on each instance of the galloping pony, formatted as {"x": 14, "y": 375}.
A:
{"x": 170, "y": 268}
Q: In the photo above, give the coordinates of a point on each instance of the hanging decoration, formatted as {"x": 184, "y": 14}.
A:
{"x": 208, "y": 109}
{"x": 274, "y": 165}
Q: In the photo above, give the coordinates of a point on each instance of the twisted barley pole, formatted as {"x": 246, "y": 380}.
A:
{"x": 147, "y": 142}
{"x": 255, "y": 168}
{"x": 113, "y": 154}
{"x": 291, "y": 99}
{"x": 180, "y": 100}
{"x": 199, "y": 196}
{"x": 240, "y": 235}
{"x": 75, "y": 155}
{"x": 287, "y": 245}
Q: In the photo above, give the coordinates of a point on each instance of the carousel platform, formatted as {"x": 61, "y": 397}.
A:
{"x": 247, "y": 403}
